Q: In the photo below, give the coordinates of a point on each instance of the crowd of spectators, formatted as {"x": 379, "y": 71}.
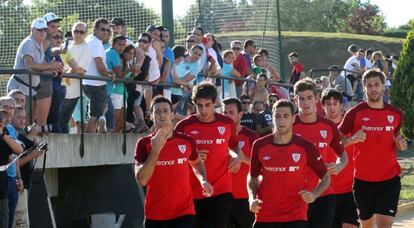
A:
{"x": 109, "y": 52}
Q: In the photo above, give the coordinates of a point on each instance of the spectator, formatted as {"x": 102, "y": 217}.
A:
{"x": 259, "y": 92}
{"x": 258, "y": 106}
{"x": 298, "y": 69}
{"x": 228, "y": 70}
{"x": 269, "y": 67}
{"x": 368, "y": 58}
{"x": 353, "y": 71}
{"x": 95, "y": 90}
{"x": 210, "y": 51}
{"x": 30, "y": 141}
{"x": 81, "y": 54}
{"x": 338, "y": 79}
{"x": 116, "y": 92}
{"x": 169, "y": 54}
{"x": 7, "y": 147}
{"x": 18, "y": 97}
{"x": 318, "y": 82}
{"x": 247, "y": 119}
{"x": 184, "y": 74}
{"x": 263, "y": 120}
{"x": 324, "y": 82}
{"x": 249, "y": 49}
{"x": 240, "y": 64}
{"x": 30, "y": 55}
{"x": 258, "y": 67}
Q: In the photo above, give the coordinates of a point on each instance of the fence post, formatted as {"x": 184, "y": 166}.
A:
{"x": 124, "y": 120}
{"x": 30, "y": 99}
{"x": 82, "y": 135}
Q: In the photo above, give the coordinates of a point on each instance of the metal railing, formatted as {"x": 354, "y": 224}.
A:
{"x": 30, "y": 74}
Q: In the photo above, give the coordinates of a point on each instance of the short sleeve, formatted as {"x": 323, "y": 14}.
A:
{"x": 336, "y": 144}
{"x": 299, "y": 67}
{"x": 234, "y": 140}
{"x": 255, "y": 164}
{"x": 195, "y": 69}
{"x": 97, "y": 49}
{"x": 315, "y": 161}
{"x": 347, "y": 123}
{"x": 28, "y": 49}
{"x": 141, "y": 153}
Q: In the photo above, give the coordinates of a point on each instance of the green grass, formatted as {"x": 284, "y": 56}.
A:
{"x": 406, "y": 159}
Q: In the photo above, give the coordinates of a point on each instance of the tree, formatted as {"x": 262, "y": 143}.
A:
{"x": 366, "y": 19}
{"x": 402, "y": 90}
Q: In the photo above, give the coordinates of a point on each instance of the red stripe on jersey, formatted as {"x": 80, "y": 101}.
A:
{"x": 325, "y": 136}
{"x": 169, "y": 193}
{"x": 246, "y": 139}
{"x": 283, "y": 168}
{"x": 216, "y": 137}
{"x": 375, "y": 159}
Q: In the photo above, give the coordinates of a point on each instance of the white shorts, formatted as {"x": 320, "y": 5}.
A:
{"x": 117, "y": 100}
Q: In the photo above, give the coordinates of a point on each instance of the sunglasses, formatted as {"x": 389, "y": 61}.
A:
{"x": 79, "y": 32}
{"x": 246, "y": 102}
{"x": 42, "y": 30}
{"x": 143, "y": 41}
{"x": 236, "y": 49}
{"x": 105, "y": 30}
{"x": 58, "y": 37}
{"x": 190, "y": 41}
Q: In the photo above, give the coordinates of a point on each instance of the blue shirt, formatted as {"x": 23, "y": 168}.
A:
{"x": 182, "y": 69}
{"x": 226, "y": 71}
{"x": 113, "y": 59}
{"x": 169, "y": 54}
{"x": 12, "y": 170}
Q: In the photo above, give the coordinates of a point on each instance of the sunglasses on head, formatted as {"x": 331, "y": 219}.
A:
{"x": 79, "y": 32}
{"x": 105, "y": 30}
{"x": 143, "y": 41}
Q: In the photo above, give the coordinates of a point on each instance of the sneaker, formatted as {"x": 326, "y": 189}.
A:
{"x": 102, "y": 124}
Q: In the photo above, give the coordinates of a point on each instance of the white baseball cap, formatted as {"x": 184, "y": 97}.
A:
{"x": 51, "y": 17}
{"x": 39, "y": 23}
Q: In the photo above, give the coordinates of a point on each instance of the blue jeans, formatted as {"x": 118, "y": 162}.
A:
{"x": 66, "y": 111}
{"x": 110, "y": 114}
{"x": 13, "y": 198}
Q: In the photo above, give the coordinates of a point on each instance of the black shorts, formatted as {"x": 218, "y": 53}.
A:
{"x": 321, "y": 212}
{"x": 377, "y": 197}
{"x": 186, "y": 221}
{"x": 241, "y": 216}
{"x": 345, "y": 210}
{"x": 97, "y": 96}
{"x": 293, "y": 224}
{"x": 213, "y": 211}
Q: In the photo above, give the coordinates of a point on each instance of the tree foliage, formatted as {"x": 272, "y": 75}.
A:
{"x": 366, "y": 19}
{"x": 402, "y": 91}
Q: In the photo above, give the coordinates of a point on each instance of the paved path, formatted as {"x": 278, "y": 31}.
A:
{"x": 406, "y": 221}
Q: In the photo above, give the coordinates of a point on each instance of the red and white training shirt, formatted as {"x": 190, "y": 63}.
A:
{"x": 169, "y": 193}
{"x": 375, "y": 159}
{"x": 283, "y": 168}
{"x": 216, "y": 137}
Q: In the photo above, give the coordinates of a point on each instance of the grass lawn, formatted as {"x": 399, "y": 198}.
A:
{"x": 406, "y": 159}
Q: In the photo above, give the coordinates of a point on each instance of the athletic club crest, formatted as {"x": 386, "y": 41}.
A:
{"x": 221, "y": 130}
{"x": 324, "y": 133}
{"x": 296, "y": 157}
{"x": 241, "y": 144}
{"x": 390, "y": 118}
{"x": 182, "y": 148}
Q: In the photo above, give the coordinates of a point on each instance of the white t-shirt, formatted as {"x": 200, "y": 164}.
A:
{"x": 350, "y": 65}
{"x": 81, "y": 53}
{"x": 154, "y": 69}
{"x": 97, "y": 50}
{"x": 213, "y": 54}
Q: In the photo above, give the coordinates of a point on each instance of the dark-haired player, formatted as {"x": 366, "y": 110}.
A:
{"x": 284, "y": 160}
{"x": 216, "y": 138}
{"x": 325, "y": 136}
{"x": 240, "y": 215}
{"x": 162, "y": 164}
{"x": 377, "y": 182}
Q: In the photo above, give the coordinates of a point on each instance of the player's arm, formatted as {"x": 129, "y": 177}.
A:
{"x": 342, "y": 161}
{"x": 236, "y": 158}
{"x": 253, "y": 181}
{"x": 359, "y": 136}
{"x": 157, "y": 47}
{"x": 310, "y": 197}
{"x": 144, "y": 171}
{"x": 200, "y": 172}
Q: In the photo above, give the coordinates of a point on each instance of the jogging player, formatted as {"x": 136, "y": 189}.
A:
{"x": 325, "y": 136}
{"x": 377, "y": 182}
{"x": 216, "y": 138}
{"x": 241, "y": 217}
{"x": 346, "y": 215}
{"x": 162, "y": 160}
{"x": 284, "y": 160}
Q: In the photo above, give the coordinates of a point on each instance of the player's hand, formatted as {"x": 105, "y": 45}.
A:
{"x": 307, "y": 196}
{"x": 401, "y": 143}
{"x": 234, "y": 165}
{"x": 203, "y": 154}
{"x": 207, "y": 189}
{"x": 332, "y": 168}
{"x": 359, "y": 136}
{"x": 255, "y": 205}
{"x": 159, "y": 139}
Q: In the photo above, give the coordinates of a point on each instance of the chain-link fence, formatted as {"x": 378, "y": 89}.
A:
{"x": 228, "y": 20}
